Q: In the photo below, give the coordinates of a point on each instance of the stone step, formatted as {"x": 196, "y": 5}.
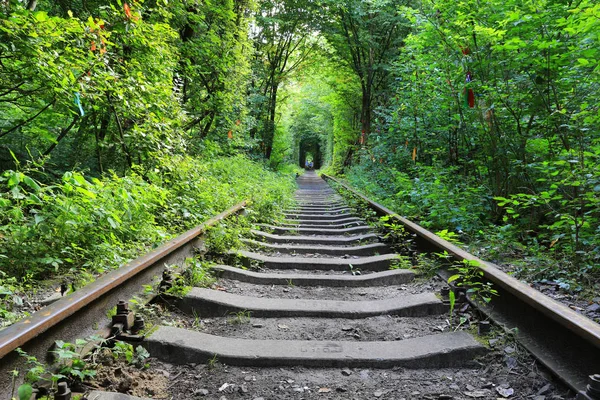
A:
{"x": 215, "y": 303}
{"x": 100, "y": 395}
{"x": 322, "y": 222}
{"x": 322, "y": 217}
{"x": 446, "y": 350}
{"x": 291, "y": 224}
{"x": 317, "y": 206}
{"x": 384, "y": 278}
{"x": 311, "y": 197}
{"x": 316, "y": 231}
{"x": 341, "y": 240}
{"x": 364, "y": 250}
{"x": 321, "y": 211}
{"x": 372, "y": 263}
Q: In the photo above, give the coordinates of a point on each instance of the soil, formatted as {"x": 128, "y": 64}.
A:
{"x": 380, "y": 328}
{"x": 118, "y": 376}
{"x": 330, "y": 293}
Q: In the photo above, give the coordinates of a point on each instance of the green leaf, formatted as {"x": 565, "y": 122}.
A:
{"x": 14, "y": 179}
{"x": 31, "y": 183}
{"x": 583, "y": 61}
{"x": 77, "y": 373}
{"x": 25, "y": 391}
{"x": 453, "y": 278}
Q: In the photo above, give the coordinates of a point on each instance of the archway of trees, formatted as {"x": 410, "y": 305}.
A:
{"x": 310, "y": 149}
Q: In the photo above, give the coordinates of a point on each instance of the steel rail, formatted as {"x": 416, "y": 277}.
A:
{"x": 23, "y": 331}
{"x": 583, "y": 327}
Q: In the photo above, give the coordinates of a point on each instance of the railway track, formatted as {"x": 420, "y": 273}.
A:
{"x": 318, "y": 311}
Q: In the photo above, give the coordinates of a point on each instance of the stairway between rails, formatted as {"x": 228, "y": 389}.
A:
{"x": 314, "y": 251}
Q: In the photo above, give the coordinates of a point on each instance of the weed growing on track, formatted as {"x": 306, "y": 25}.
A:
{"x": 354, "y": 271}
{"x": 74, "y": 362}
{"x": 212, "y": 363}
{"x": 401, "y": 262}
{"x": 470, "y": 276}
{"x": 427, "y": 265}
{"x": 240, "y": 317}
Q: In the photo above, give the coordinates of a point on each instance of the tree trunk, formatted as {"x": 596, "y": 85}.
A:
{"x": 365, "y": 115}
{"x": 61, "y": 136}
{"x": 270, "y": 128}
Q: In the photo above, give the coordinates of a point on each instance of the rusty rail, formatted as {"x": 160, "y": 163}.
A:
{"x": 584, "y": 329}
{"x": 29, "y": 328}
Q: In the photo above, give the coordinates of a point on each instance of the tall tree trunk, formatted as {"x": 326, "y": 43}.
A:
{"x": 365, "y": 114}
{"x": 270, "y": 129}
{"x": 206, "y": 128}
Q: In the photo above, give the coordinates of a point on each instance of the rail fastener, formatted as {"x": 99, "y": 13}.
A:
{"x": 63, "y": 392}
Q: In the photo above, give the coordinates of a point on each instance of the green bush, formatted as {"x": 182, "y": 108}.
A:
{"x": 94, "y": 224}
{"x": 437, "y": 198}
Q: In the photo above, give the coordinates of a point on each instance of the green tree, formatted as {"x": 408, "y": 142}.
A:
{"x": 283, "y": 39}
{"x": 368, "y": 37}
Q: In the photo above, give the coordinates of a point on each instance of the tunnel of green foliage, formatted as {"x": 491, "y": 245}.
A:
{"x": 476, "y": 118}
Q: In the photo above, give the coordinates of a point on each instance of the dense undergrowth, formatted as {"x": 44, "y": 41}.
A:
{"x": 440, "y": 199}
{"x": 79, "y": 227}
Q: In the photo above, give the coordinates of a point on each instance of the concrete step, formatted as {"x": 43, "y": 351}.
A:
{"x": 339, "y": 204}
{"x": 319, "y": 204}
{"x": 364, "y": 250}
{"x": 291, "y": 224}
{"x": 371, "y": 263}
{"x": 316, "y": 208}
{"x": 316, "y": 231}
{"x": 322, "y": 217}
{"x": 181, "y": 346}
{"x": 215, "y": 303}
{"x": 322, "y": 211}
{"x": 315, "y": 197}
{"x": 313, "y": 200}
{"x": 100, "y": 395}
{"x": 384, "y": 278}
{"x": 322, "y": 222}
{"x": 345, "y": 240}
